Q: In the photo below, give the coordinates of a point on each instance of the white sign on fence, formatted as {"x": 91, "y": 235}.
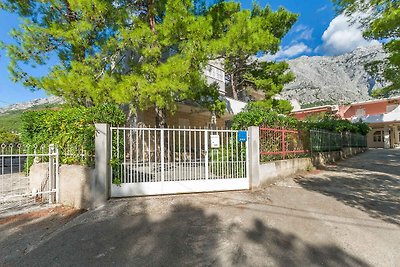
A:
{"x": 214, "y": 141}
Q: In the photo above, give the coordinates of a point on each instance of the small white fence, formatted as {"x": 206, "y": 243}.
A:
{"x": 18, "y": 184}
{"x": 150, "y": 161}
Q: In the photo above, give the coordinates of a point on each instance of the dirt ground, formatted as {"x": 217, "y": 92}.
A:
{"x": 346, "y": 215}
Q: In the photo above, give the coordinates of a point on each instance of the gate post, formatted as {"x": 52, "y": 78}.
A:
{"x": 51, "y": 173}
{"x": 254, "y": 156}
{"x": 102, "y": 181}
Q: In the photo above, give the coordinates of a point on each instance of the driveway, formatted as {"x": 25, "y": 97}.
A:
{"x": 346, "y": 215}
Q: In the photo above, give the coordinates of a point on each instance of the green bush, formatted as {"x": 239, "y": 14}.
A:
{"x": 336, "y": 125}
{"x": 7, "y": 137}
{"x": 255, "y": 115}
{"x": 259, "y": 116}
{"x": 71, "y": 129}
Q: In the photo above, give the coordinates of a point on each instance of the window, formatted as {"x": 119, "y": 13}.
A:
{"x": 214, "y": 73}
{"x": 378, "y": 136}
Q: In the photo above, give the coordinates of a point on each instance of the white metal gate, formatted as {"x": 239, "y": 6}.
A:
{"x": 27, "y": 175}
{"x": 151, "y": 161}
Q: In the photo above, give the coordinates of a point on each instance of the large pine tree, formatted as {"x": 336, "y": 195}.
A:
{"x": 144, "y": 53}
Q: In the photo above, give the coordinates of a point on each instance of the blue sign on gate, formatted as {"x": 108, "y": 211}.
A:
{"x": 242, "y": 136}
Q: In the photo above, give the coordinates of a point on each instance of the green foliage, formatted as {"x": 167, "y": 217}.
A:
{"x": 268, "y": 77}
{"x": 278, "y": 105}
{"x": 257, "y": 115}
{"x": 11, "y": 120}
{"x": 71, "y": 129}
{"x": 241, "y": 35}
{"x": 336, "y": 125}
{"x": 382, "y": 22}
{"x": 8, "y": 137}
{"x": 148, "y": 54}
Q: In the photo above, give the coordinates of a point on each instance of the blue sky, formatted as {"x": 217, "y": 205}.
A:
{"x": 318, "y": 31}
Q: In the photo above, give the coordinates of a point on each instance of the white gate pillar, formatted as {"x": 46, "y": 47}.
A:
{"x": 254, "y": 156}
{"x": 102, "y": 181}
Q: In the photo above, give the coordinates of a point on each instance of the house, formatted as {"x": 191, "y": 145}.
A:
{"x": 382, "y": 115}
{"x": 191, "y": 115}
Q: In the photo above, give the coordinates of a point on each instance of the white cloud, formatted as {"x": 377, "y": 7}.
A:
{"x": 306, "y": 34}
{"x": 323, "y": 8}
{"x": 303, "y": 32}
{"x": 287, "y": 52}
{"x": 299, "y": 28}
{"x": 344, "y": 34}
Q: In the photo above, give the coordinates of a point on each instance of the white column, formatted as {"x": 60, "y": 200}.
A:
{"x": 386, "y": 137}
{"x": 396, "y": 134}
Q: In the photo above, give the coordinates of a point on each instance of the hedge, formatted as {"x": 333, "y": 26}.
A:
{"x": 255, "y": 116}
{"x": 68, "y": 128}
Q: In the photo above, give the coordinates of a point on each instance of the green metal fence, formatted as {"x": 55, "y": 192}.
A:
{"x": 354, "y": 140}
{"x": 325, "y": 141}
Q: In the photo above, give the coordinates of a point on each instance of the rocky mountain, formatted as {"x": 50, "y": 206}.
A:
{"x": 31, "y": 104}
{"x": 333, "y": 80}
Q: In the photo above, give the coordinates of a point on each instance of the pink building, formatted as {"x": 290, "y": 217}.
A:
{"x": 382, "y": 115}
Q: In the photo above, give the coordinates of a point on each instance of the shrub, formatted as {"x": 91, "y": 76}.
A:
{"x": 337, "y": 125}
{"x": 68, "y": 128}
{"x": 258, "y": 116}
{"x": 8, "y": 137}
{"x": 255, "y": 115}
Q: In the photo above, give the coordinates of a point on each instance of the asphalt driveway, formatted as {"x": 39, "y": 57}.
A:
{"x": 346, "y": 215}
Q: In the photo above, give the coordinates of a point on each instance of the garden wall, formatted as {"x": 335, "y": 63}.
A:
{"x": 273, "y": 171}
{"x": 75, "y": 183}
{"x": 322, "y": 158}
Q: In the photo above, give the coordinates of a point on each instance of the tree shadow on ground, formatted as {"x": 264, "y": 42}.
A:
{"x": 357, "y": 182}
{"x": 289, "y": 250}
{"x": 385, "y": 161}
{"x": 186, "y": 235}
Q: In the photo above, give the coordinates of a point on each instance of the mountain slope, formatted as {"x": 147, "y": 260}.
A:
{"x": 333, "y": 80}
{"x": 10, "y": 116}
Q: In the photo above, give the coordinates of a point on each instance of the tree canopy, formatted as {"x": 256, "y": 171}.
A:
{"x": 381, "y": 20}
{"x": 146, "y": 53}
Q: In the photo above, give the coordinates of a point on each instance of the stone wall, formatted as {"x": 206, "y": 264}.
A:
{"x": 322, "y": 158}
{"x": 75, "y": 186}
{"x": 75, "y": 183}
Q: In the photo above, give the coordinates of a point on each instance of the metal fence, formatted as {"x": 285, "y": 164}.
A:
{"x": 354, "y": 140}
{"x": 326, "y": 141}
{"x": 76, "y": 154}
{"x": 276, "y": 144}
{"x": 166, "y": 160}
{"x": 17, "y": 183}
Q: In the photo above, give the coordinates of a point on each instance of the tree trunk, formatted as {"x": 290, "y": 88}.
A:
{"x": 131, "y": 117}
{"x": 151, "y": 16}
{"x": 161, "y": 117}
{"x": 233, "y": 86}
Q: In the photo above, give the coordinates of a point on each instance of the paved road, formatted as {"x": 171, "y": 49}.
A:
{"x": 347, "y": 215}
